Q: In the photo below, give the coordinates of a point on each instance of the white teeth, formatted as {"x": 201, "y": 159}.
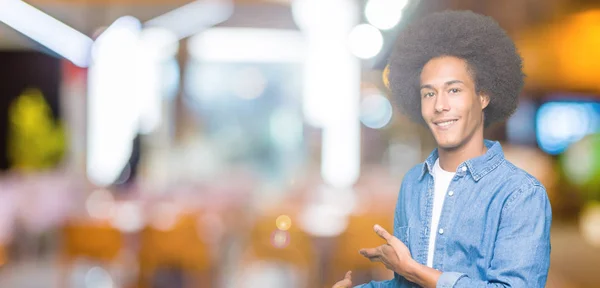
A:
{"x": 444, "y": 124}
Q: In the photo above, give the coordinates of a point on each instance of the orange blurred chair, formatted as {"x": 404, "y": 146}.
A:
{"x": 358, "y": 234}
{"x": 180, "y": 247}
{"x": 293, "y": 247}
{"x": 3, "y": 256}
{"x": 96, "y": 241}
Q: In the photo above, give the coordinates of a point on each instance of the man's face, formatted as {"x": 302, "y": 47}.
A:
{"x": 450, "y": 104}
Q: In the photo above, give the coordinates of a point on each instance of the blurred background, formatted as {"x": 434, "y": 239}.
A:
{"x": 254, "y": 143}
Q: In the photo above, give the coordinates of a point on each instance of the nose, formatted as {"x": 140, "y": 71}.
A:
{"x": 441, "y": 103}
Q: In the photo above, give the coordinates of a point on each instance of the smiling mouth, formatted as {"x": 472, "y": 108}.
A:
{"x": 445, "y": 123}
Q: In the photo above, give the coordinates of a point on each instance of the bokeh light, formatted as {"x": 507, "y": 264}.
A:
{"x": 97, "y": 277}
{"x": 128, "y": 217}
{"x": 365, "y": 41}
{"x": 165, "y": 216}
{"x": 100, "y": 204}
{"x": 317, "y": 16}
{"x": 280, "y": 239}
{"x": 385, "y": 76}
{"x": 589, "y": 224}
{"x": 581, "y": 164}
{"x": 326, "y": 215}
{"x": 578, "y": 162}
{"x": 384, "y": 14}
{"x": 561, "y": 123}
{"x": 283, "y": 222}
{"x": 375, "y": 111}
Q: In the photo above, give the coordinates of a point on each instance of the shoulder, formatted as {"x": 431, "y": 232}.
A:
{"x": 517, "y": 176}
{"x": 412, "y": 179}
{"x": 513, "y": 173}
{"x": 519, "y": 184}
{"x": 414, "y": 174}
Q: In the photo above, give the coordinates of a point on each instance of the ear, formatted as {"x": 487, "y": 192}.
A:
{"x": 484, "y": 99}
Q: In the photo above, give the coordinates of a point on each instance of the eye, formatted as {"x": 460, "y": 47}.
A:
{"x": 428, "y": 94}
{"x": 454, "y": 90}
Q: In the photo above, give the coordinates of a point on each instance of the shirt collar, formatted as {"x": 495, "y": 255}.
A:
{"x": 478, "y": 166}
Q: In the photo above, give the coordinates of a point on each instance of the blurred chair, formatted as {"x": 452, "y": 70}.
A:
{"x": 344, "y": 255}
{"x": 98, "y": 242}
{"x": 3, "y": 255}
{"x": 178, "y": 253}
{"x": 278, "y": 256}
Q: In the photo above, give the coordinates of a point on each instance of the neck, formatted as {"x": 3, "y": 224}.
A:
{"x": 451, "y": 158}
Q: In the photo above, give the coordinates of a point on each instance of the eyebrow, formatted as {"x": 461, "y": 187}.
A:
{"x": 445, "y": 84}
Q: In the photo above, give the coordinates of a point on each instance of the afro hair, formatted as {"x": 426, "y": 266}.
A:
{"x": 491, "y": 57}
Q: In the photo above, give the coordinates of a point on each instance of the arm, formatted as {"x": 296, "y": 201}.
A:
{"x": 522, "y": 249}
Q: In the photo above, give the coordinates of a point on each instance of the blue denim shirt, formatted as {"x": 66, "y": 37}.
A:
{"x": 494, "y": 230}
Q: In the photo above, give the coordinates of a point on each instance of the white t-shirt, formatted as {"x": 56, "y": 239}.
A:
{"x": 442, "y": 180}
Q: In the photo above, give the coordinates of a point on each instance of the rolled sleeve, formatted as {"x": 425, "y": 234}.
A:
{"x": 448, "y": 279}
{"x": 380, "y": 284}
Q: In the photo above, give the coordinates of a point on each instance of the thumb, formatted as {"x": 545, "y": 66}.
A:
{"x": 348, "y": 275}
{"x": 383, "y": 233}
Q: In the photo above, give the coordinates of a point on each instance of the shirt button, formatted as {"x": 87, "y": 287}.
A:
{"x": 464, "y": 168}
{"x": 451, "y": 193}
{"x": 441, "y": 231}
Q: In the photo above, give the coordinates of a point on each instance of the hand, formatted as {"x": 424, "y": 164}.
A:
{"x": 394, "y": 255}
{"x": 346, "y": 282}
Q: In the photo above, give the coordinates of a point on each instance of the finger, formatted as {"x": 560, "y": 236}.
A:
{"x": 382, "y": 260}
{"x": 383, "y": 233}
{"x": 346, "y": 283}
{"x": 370, "y": 256}
{"x": 370, "y": 252}
{"x": 397, "y": 244}
{"x": 343, "y": 284}
{"x": 375, "y": 259}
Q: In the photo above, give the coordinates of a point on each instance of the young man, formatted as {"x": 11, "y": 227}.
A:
{"x": 466, "y": 217}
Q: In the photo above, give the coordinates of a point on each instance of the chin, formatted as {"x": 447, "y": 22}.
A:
{"x": 447, "y": 144}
